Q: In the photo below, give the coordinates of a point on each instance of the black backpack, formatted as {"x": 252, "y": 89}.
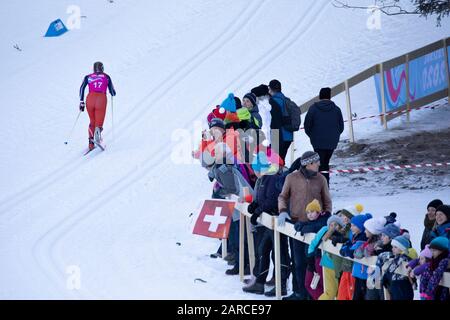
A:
{"x": 291, "y": 115}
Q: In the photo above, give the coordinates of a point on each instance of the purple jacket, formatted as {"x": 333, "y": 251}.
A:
{"x": 429, "y": 282}
{"x": 418, "y": 268}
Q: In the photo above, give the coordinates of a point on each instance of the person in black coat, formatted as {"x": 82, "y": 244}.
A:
{"x": 324, "y": 125}
{"x": 429, "y": 222}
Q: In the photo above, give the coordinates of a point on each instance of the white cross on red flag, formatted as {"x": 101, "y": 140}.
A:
{"x": 214, "y": 219}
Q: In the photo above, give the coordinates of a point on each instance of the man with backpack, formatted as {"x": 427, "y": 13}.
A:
{"x": 324, "y": 125}
{"x": 285, "y": 118}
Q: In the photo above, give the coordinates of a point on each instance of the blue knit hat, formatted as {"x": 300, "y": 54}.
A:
{"x": 401, "y": 242}
{"x": 391, "y": 230}
{"x": 229, "y": 104}
{"x": 439, "y": 243}
{"x": 260, "y": 163}
{"x": 360, "y": 219}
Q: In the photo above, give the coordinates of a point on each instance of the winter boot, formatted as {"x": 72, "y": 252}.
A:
{"x": 271, "y": 282}
{"x": 272, "y": 293}
{"x": 250, "y": 281}
{"x": 91, "y": 144}
{"x": 229, "y": 257}
{"x": 293, "y": 296}
{"x": 256, "y": 288}
{"x": 233, "y": 271}
{"x": 98, "y": 135}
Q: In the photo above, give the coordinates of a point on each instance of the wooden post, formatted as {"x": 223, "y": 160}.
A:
{"x": 251, "y": 244}
{"x": 447, "y": 67}
{"x": 383, "y": 95}
{"x": 349, "y": 113}
{"x": 387, "y": 296}
{"x": 277, "y": 266}
{"x": 324, "y": 282}
{"x": 224, "y": 248}
{"x": 241, "y": 246}
{"x": 408, "y": 102}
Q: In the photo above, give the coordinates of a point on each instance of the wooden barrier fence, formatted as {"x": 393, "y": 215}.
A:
{"x": 270, "y": 222}
{"x": 380, "y": 68}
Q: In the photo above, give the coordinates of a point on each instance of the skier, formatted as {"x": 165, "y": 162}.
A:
{"x": 96, "y": 101}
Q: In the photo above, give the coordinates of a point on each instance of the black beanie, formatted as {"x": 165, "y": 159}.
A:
{"x": 217, "y": 122}
{"x": 238, "y": 103}
{"x": 275, "y": 85}
{"x": 250, "y": 96}
{"x": 435, "y": 203}
{"x": 325, "y": 93}
{"x": 261, "y": 91}
{"x": 445, "y": 209}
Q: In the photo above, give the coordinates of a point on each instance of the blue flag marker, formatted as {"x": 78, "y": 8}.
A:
{"x": 56, "y": 29}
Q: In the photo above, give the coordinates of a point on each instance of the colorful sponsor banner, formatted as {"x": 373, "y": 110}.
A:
{"x": 427, "y": 75}
{"x": 214, "y": 219}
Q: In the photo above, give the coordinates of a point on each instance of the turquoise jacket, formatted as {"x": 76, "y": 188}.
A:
{"x": 326, "y": 260}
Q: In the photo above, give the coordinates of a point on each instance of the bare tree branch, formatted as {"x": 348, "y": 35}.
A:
{"x": 390, "y": 9}
{"x": 424, "y": 8}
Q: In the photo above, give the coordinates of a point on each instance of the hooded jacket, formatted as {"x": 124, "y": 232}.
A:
{"x": 324, "y": 124}
{"x": 249, "y": 119}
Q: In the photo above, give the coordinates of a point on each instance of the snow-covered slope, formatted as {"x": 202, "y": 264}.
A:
{"x": 118, "y": 215}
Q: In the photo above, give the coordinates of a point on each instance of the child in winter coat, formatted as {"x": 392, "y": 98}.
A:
{"x": 343, "y": 267}
{"x": 316, "y": 220}
{"x": 399, "y": 286}
{"x": 335, "y": 225}
{"x": 432, "y": 275}
{"x": 359, "y": 271}
{"x": 417, "y": 266}
{"x": 389, "y": 232}
{"x": 373, "y": 228}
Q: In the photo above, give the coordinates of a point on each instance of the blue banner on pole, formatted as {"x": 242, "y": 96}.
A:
{"x": 56, "y": 29}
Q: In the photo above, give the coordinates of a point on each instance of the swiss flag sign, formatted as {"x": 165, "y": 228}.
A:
{"x": 214, "y": 219}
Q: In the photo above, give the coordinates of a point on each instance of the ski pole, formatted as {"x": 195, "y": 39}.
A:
{"x": 71, "y": 131}
{"x": 112, "y": 116}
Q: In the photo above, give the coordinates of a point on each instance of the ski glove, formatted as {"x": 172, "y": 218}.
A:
{"x": 338, "y": 238}
{"x": 298, "y": 226}
{"x": 282, "y": 219}
{"x": 82, "y": 106}
{"x": 252, "y": 207}
{"x": 253, "y": 219}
